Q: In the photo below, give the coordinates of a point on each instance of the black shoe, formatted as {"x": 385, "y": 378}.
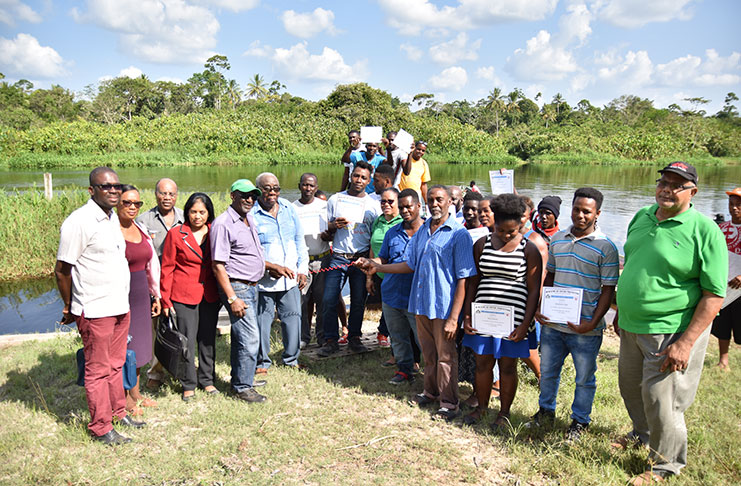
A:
{"x": 422, "y": 400}
{"x": 401, "y": 377}
{"x": 256, "y": 383}
{"x": 329, "y": 348}
{"x": 576, "y": 429}
{"x": 112, "y": 438}
{"x": 127, "y": 421}
{"x": 251, "y": 396}
{"x": 447, "y": 413}
{"x": 544, "y": 418}
{"x": 356, "y": 345}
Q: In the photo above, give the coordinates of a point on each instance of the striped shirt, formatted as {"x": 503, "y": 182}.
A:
{"x": 586, "y": 263}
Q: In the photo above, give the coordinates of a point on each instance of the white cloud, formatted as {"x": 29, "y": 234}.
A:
{"x": 486, "y": 72}
{"x": 637, "y": 13}
{"x": 633, "y": 70}
{"x": 413, "y": 53}
{"x": 25, "y": 57}
{"x": 233, "y": 5}
{"x": 575, "y": 24}
{"x": 541, "y": 60}
{"x": 693, "y": 71}
{"x": 450, "y": 79}
{"x": 413, "y": 16}
{"x": 160, "y": 31}
{"x": 130, "y": 72}
{"x": 455, "y": 50}
{"x": 170, "y": 79}
{"x": 10, "y": 10}
{"x": 297, "y": 63}
{"x": 306, "y": 25}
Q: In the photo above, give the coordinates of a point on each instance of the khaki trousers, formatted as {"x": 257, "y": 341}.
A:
{"x": 441, "y": 362}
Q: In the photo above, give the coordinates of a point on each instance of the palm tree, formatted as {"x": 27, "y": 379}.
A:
{"x": 558, "y": 101}
{"x": 235, "y": 93}
{"x": 495, "y": 102}
{"x": 256, "y": 87}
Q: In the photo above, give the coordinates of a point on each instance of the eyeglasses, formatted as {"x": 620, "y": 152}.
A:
{"x": 247, "y": 195}
{"x": 109, "y": 187}
{"x": 137, "y": 204}
{"x": 673, "y": 186}
{"x": 387, "y": 201}
{"x": 275, "y": 189}
{"x": 167, "y": 194}
{"x": 421, "y": 142}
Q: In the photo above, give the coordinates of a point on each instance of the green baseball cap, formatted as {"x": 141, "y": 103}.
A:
{"x": 244, "y": 185}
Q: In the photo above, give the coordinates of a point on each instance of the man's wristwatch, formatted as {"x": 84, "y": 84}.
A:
{"x": 230, "y": 300}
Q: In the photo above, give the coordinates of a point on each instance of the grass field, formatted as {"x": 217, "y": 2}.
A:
{"x": 338, "y": 422}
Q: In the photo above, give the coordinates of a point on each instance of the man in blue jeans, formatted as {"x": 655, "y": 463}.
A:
{"x": 350, "y": 215}
{"x": 238, "y": 263}
{"x": 282, "y": 240}
{"x": 581, "y": 257}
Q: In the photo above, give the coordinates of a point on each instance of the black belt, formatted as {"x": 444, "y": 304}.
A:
{"x": 353, "y": 256}
{"x": 246, "y": 282}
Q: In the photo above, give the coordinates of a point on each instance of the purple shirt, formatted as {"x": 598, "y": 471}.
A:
{"x": 237, "y": 246}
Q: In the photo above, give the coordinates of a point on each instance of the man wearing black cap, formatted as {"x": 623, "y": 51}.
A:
{"x": 548, "y": 211}
{"x": 672, "y": 286}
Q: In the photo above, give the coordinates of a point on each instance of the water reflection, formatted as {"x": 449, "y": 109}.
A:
{"x": 29, "y": 306}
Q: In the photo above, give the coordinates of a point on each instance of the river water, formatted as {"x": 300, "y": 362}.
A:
{"x": 34, "y": 306}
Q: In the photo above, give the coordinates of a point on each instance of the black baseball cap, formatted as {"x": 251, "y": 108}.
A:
{"x": 683, "y": 169}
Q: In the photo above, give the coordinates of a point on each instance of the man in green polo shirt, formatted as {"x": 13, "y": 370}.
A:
{"x": 673, "y": 284}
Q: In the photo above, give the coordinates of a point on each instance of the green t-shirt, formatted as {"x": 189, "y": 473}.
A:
{"x": 667, "y": 266}
{"x": 378, "y": 231}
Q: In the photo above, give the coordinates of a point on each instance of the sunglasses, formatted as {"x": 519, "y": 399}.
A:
{"x": 275, "y": 189}
{"x": 109, "y": 187}
{"x": 387, "y": 201}
{"x": 136, "y": 204}
{"x": 247, "y": 195}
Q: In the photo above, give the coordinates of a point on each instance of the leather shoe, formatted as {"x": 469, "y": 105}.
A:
{"x": 251, "y": 396}
{"x": 112, "y": 438}
{"x": 129, "y": 422}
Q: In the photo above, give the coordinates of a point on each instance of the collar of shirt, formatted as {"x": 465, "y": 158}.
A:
{"x": 597, "y": 233}
{"x": 679, "y": 218}
{"x": 450, "y": 222}
{"x": 100, "y": 215}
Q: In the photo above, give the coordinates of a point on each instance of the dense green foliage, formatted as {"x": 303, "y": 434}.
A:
{"x": 207, "y": 120}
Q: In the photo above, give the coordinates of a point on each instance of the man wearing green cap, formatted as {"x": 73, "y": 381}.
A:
{"x": 238, "y": 264}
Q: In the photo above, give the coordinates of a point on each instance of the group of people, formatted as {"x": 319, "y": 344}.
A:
{"x": 266, "y": 255}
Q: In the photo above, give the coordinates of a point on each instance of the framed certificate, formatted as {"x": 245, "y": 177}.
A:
{"x": 350, "y": 207}
{"x": 561, "y": 305}
{"x": 502, "y": 182}
{"x": 493, "y": 319}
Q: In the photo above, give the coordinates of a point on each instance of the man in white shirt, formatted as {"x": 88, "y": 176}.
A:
{"x": 93, "y": 280}
{"x": 312, "y": 212}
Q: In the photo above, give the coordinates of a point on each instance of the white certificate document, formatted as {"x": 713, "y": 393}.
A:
{"x": 350, "y": 207}
{"x": 734, "y": 268}
{"x": 313, "y": 223}
{"x": 371, "y": 134}
{"x": 502, "y": 182}
{"x": 561, "y": 305}
{"x": 477, "y": 233}
{"x": 493, "y": 319}
{"x": 404, "y": 140}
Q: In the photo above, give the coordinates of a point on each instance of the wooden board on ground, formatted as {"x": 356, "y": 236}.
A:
{"x": 368, "y": 339}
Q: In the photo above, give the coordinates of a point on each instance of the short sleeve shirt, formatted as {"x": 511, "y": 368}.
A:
{"x": 732, "y": 232}
{"x": 439, "y": 260}
{"x": 377, "y": 159}
{"x": 420, "y": 173}
{"x": 92, "y": 243}
{"x": 237, "y": 246}
{"x": 353, "y": 238}
{"x": 667, "y": 266}
{"x": 395, "y": 287}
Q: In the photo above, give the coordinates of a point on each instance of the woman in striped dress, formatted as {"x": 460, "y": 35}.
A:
{"x": 509, "y": 270}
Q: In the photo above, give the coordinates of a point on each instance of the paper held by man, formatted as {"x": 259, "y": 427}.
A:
{"x": 561, "y": 305}
{"x": 351, "y": 208}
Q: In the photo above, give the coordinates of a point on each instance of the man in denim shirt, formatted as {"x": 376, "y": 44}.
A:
{"x": 282, "y": 240}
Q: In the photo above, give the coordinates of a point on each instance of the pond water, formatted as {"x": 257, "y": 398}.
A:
{"x": 35, "y": 307}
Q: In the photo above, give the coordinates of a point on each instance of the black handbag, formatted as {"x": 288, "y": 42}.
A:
{"x": 170, "y": 345}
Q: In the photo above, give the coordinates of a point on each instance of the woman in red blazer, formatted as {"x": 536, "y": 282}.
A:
{"x": 189, "y": 288}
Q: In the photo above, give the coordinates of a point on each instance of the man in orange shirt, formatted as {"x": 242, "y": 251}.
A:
{"x": 415, "y": 172}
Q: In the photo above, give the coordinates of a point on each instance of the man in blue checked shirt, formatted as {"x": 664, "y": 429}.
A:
{"x": 441, "y": 256}
{"x": 282, "y": 240}
{"x": 580, "y": 257}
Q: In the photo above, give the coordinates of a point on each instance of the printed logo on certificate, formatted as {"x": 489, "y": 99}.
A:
{"x": 561, "y": 305}
{"x": 492, "y": 319}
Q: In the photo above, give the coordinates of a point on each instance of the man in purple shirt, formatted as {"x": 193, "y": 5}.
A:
{"x": 238, "y": 264}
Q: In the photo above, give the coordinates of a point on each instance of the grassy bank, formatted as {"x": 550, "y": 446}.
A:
{"x": 338, "y": 422}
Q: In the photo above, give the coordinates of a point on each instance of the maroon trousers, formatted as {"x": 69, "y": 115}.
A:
{"x": 104, "y": 345}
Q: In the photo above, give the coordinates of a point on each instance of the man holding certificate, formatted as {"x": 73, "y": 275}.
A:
{"x": 672, "y": 286}
{"x": 577, "y": 293}
{"x": 350, "y": 214}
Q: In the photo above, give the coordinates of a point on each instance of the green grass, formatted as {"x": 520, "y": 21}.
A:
{"x": 338, "y": 422}
{"x": 608, "y": 159}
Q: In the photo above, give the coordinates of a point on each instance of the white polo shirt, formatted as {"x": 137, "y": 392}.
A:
{"x": 93, "y": 244}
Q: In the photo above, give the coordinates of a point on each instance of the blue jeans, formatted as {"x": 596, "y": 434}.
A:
{"x": 400, "y": 322}
{"x": 245, "y": 337}
{"x": 333, "y": 283}
{"x": 554, "y": 347}
{"x": 288, "y": 303}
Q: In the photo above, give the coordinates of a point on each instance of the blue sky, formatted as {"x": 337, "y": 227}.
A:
{"x": 664, "y": 50}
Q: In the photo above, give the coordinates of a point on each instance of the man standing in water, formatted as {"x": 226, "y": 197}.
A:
{"x": 672, "y": 286}
{"x": 93, "y": 279}
{"x": 157, "y": 222}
